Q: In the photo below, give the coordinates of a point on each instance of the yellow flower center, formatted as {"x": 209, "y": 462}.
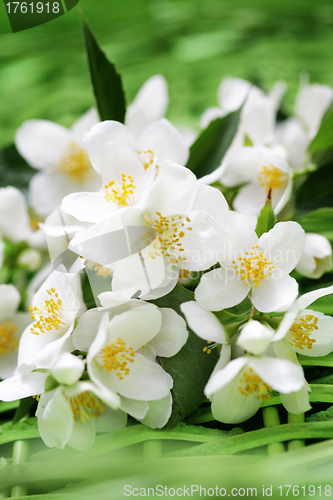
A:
{"x": 85, "y": 406}
{"x": 8, "y": 340}
{"x": 120, "y": 192}
{"x": 49, "y": 316}
{"x": 271, "y": 177}
{"x": 75, "y": 163}
{"x": 250, "y": 383}
{"x": 116, "y": 356}
{"x": 211, "y": 345}
{"x": 166, "y": 233}
{"x": 147, "y": 158}
{"x": 100, "y": 270}
{"x": 254, "y": 267}
{"x": 299, "y": 334}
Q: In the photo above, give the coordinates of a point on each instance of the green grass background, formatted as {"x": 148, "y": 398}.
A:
{"x": 194, "y": 43}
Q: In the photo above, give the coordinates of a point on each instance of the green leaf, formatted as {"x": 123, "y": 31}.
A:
{"x": 319, "y": 221}
{"x": 26, "y": 404}
{"x": 14, "y": 171}
{"x": 191, "y": 377}
{"x": 26, "y": 429}
{"x": 324, "y": 138}
{"x": 247, "y": 141}
{"x": 207, "y": 152}
{"x": 106, "y": 81}
{"x": 316, "y": 191}
{"x": 50, "y": 384}
{"x": 314, "y": 361}
{"x": 266, "y": 219}
{"x": 8, "y": 406}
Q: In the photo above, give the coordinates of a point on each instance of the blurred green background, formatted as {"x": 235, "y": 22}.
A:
{"x": 194, "y": 43}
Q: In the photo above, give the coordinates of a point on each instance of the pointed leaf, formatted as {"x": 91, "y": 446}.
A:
{"x": 106, "y": 81}
{"x": 207, "y": 152}
{"x": 266, "y": 219}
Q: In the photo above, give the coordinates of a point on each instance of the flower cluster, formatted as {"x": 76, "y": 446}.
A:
{"x": 117, "y": 225}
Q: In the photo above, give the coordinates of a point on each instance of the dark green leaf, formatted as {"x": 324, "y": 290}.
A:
{"x": 319, "y": 221}
{"x": 316, "y": 191}
{"x": 207, "y": 153}
{"x": 324, "y": 138}
{"x": 106, "y": 81}
{"x": 14, "y": 171}
{"x": 26, "y": 404}
{"x": 189, "y": 378}
{"x": 266, "y": 219}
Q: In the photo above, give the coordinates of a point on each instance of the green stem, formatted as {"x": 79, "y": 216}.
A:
{"x": 271, "y": 418}
{"x": 3, "y": 465}
{"x": 20, "y": 456}
{"x": 152, "y": 450}
{"x": 297, "y": 443}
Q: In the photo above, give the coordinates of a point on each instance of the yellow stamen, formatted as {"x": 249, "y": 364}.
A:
{"x": 116, "y": 356}
{"x": 49, "y": 316}
{"x": 75, "y": 163}
{"x": 271, "y": 178}
{"x": 85, "y": 406}
{"x": 251, "y": 383}
{"x": 299, "y": 334}
{"x": 121, "y": 192}
{"x": 8, "y": 340}
{"x": 255, "y": 268}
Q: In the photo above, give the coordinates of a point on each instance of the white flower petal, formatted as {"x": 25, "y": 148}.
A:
{"x": 173, "y": 191}
{"x": 165, "y": 141}
{"x": 86, "y": 330}
{"x": 9, "y": 300}
{"x": 280, "y": 374}
{"x": 55, "y": 419}
{"x": 223, "y": 377}
{"x": 68, "y": 369}
{"x": 111, "y": 420}
{"x": 41, "y": 142}
{"x": 19, "y": 386}
{"x": 311, "y": 103}
{"x": 210, "y": 200}
{"x": 220, "y": 289}
{"x": 283, "y": 245}
{"x": 14, "y": 220}
{"x": 135, "y": 408}
{"x": 146, "y": 381}
{"x": 204, "y": 323}
{"x": 297, "y": 402}
{"x": 117, "y": 159}
{"x": 275, "y": 294}
{"x": 150, "y": 104}
{"x": 159, "y": 413}
{"x": 100, "y": 134}
{"x": 255, "y": 337}
{"x": 172, "y": 335}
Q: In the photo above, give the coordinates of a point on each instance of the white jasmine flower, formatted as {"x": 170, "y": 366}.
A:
{"x": 238, "y": 389}
{"x": 60, "y": 155}
{"x": 312, "y": 101}
{"x": 174, "y": 232}
{"x": 12, "y": 325}
{"x": 258, "y": 114}
{"x": 257, "y": 339}
{"x": 150, "y": 104}
{"x": 204, "y": 323}
{"x": 54, "y": 309}
{"x": 115, "y": 363}
{"x": 71, "y": 415}
{"x": 316, "y": 258}
{"x": 30, "y": 259}
{"x": 128, "y": 166}
{"x": 306, "y": 331}
{"x": 260, "y": 265}
{"x": 260, "y": 170}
